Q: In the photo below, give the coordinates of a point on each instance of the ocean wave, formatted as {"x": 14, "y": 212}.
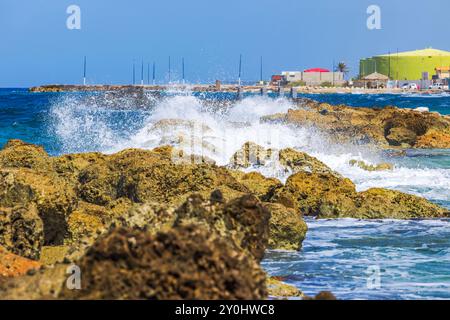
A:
{"x": 90, "y": 124}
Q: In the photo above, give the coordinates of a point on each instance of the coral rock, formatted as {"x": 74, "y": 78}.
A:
{"x": 186, "y": 262}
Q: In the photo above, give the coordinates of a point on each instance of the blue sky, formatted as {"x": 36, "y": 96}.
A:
{"x": 37, "y": 48}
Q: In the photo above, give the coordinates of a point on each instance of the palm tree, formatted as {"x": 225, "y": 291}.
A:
{"x": 342, "y": 67}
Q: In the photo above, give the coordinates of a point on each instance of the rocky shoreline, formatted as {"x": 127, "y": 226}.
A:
{"x": 157, "y": 224}
{"x": 387, "y": 128}
{"x": 142, "y": 226}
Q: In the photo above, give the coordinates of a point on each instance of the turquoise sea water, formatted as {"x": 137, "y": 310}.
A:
{"x": 413, "y": 257}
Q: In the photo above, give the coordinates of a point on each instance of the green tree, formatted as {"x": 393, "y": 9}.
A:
{"x": 342, "y": 67}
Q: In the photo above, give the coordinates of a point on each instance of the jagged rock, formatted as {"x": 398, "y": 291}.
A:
{"x": 53, "y": 255}
{"x": 322, "y": 295}
{"x": 304, "y": 191}
{"x": 287, "y": 228}
{"x": 22, "y": 231}
{"x": 12, "y": 265}
{"x": 291, "y": 160}
{"x": 297, "y": 161}
{"x": 244, "y": 220}
{"x": 281, "y": 290}
{"x": 383, "y": 127}
{"x": 252, "y": 154}
{"x": 19, "y": 154}
{"x": 326, "y": 196}
{"x": 40, "y": 284}
{"x": 151, "y": 217}
{"x": 53, "y": 197}
{"x": 256, "y": 183}
{"x": 434, "y": 139}
{"x": 369, "y": 167}
{"x": 186, "y": 262}
{"x": 400, "y": 136}
{"x": 376, "y": 202}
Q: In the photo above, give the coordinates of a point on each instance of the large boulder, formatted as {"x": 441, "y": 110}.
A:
{"x": 376, "y": 202}
{"x": 252, "y": 154}
{"x": 187, "y": 262}
{"x": 385, "y": 127}
{"x": 22, "y": 231}
{"x": 53, "y": 196}
{"x": 304, "y": 191}
{"x": 287, "y": 228}
{"x": 297, "y": 161}
{"x": 289, "y": 160}
{"x": 19, "y": 154}
{"x": 327, "y": 196}
{"x": 244, "y": 221}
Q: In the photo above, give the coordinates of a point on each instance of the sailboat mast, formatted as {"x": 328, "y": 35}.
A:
{"x": 240, "y": 69}
{"x": 84, "y": 71}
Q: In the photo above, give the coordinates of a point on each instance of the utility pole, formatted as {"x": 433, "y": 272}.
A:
{"x": 84, "y": 71}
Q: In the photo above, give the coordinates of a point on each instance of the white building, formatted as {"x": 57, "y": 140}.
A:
{"x": 314, "y": 77}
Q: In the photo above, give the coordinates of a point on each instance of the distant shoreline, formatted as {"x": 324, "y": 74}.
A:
{"x": 227, "y": 88}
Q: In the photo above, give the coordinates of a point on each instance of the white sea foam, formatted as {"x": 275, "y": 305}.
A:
{"x": 87, "y": 126}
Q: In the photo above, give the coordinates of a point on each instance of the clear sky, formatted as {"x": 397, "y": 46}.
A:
{"x": 38, "y": 48}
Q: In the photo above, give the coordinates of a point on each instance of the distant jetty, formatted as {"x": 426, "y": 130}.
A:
{"x": 223, "y": 88}
{"x": 199, "y": 88}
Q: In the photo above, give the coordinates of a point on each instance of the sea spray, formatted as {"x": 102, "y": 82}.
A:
{"x": 216, "y": 129}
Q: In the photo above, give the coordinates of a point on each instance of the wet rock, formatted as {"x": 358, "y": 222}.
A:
{"x": 377, "y": 203}
{"x": 290, "y": 160}
{"x": 287, "y": 228}
{"x": 369, "y": 167}
{"x": 186, "y": 262}
{"x": 252, "y": 154}
{"x": 326, "y": 196}
{"x": 297, "y": 161}
{"x": 306, "y": 190}
{"x": 383, "y": 127}
{"x": 322, "y": 295}
{"x": 281, "y": 290}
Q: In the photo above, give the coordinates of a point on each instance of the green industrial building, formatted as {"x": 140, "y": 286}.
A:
{"x": 411, "y": 65}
